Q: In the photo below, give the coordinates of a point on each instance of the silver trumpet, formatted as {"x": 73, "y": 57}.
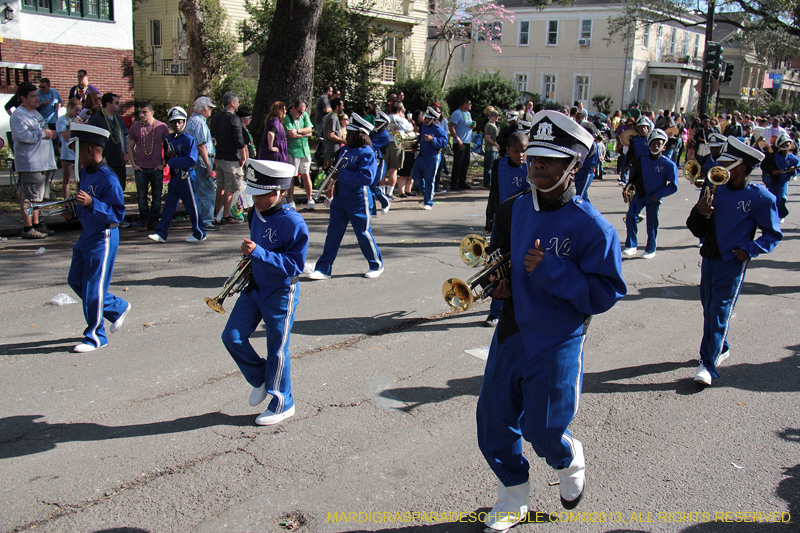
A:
{"x": 50, "y": 208}
{"x": 240, "y": 278}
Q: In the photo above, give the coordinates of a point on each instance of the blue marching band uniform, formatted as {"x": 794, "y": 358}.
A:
{"x": 655, "y": 177}
{"x": 352, "y": 203}
{"x": 511, "y": 179}
{"x": 534, "y": 371}
{"x": 737, "y": 213}
{"x": 182, "y": 180}
{"x": 638, "y": 147}
{"x": 786, "y": 163}
{"x": 280, "y": 235}
{"x": 427, "y": 163}
{"x": 380, "y": 139}
{"x": 94, "y": 254}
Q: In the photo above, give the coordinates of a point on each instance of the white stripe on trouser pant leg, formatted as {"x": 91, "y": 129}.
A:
{"x": 194, "y": 206}
{"x": 730, "y": 313}
{"x": 368, "y": 230}
{"x": 578, "y": 377}
{"x": 100, "y": 298}
{"x": 276, "y": 383}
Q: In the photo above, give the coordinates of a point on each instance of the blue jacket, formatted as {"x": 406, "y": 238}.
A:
{"x": 357, "y": 168}
{"x": 737, "y": 214}
{"x": 379, "y": 140}
{"x": 108, "y": 203}
{"x": 637, "y": 148}
{"x": 281, "y": 243}
{"x": 655, "y": 177}
{"x": 182, "y": 165}
{"x": 432, "y": 148}
{"x": 580, "y": 274}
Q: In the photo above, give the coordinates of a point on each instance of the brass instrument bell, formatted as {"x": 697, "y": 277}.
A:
{"x": 692, "y": 171}
{"x": 473, "y": 250}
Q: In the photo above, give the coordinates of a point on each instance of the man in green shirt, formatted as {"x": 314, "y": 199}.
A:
{"x": 298, "y": 129}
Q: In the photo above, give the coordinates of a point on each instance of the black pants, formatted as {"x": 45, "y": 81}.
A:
{"x": 460, "y": 166}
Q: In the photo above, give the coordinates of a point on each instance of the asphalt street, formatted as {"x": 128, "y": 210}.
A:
{"x": 153, "y": 433}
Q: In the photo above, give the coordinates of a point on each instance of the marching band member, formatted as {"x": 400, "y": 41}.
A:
{"x": 716, "y": 144}
{"x": 380, "y": 140}
{"x": 433, "y": 139}
{"x": 727, "y": 228}
{"x": 638, "y": 146}
{"x": 509, "y": 179}
{"x": 655, "y": 176}
{"x": 585, "y": 175}
{"x": 778, "y": 168}
{"x": 277, "y": 250}
{"x": 100, "y": 208}
{"x": 565, "y": 267}
{"x": 180, "y": 153}
{"x": 351, "y": 202}
{"x": 512, "y": 123}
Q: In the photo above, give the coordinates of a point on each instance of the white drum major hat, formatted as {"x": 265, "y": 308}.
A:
{"x": 737, "y": 150}
{"x": 554, "y": 134}
{"x": 359, "y": 123}
{"x": 263, "y": 177}
{"x": 715, "y": 140}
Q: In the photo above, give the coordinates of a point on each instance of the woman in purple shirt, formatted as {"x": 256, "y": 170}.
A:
{"x": 273, "y": 143}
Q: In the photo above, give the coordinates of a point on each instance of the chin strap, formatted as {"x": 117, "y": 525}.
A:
{"x": 564, "y": 176}
{"x": 736, "y": 164}
{"x": 656, "y": 153}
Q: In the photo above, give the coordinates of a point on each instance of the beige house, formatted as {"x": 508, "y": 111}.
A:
{"x": 158, "y": 29}
{"x": 560, "y": 53}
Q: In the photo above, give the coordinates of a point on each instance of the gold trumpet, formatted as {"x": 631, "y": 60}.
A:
{"x": 461, "y": 295}
{"x": 716, "y": 176}
{"x": 240, "y": 278}
{"x": 691, "y": 171}
{"x": 330, "y": 181}
{"x": 473, "y": 250}
{"x": 405, "y": 140}
{"x": 50, "y": 208}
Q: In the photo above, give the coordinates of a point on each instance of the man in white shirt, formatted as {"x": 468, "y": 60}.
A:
{"x": 394, "y": 154}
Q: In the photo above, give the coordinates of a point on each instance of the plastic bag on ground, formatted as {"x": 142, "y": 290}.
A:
{"x": 62, "y": 299}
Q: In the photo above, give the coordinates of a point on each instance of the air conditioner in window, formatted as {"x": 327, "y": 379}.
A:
{"x": 584, "y": 42}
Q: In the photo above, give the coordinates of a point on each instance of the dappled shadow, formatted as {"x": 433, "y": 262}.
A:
{"x": 192, "y": 282}
{"x": 417, "y": 396}
{"x": 38, "y": 347}
{"x": 24, "y": 435}
{"x": 381, "y": 324}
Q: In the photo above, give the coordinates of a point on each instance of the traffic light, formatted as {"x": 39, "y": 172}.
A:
{"x": 713, "y": 61}
{"x": 728, "y": 72}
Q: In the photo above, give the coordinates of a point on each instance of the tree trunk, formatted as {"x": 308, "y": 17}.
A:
{"x": 198, "y": 52}
{"x": 287, "y": 71}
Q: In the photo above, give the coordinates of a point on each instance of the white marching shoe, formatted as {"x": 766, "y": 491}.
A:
{"x": 511, "y": 507}
{"x": 258, "y": 395}
{"x": 702, "y": 375}
{"x": 572, "y": 479}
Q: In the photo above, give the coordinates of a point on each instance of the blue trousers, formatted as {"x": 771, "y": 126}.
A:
{"x": 337, "y": 226}
{"x": 780, "y": 190}
{"x": 206, "y": 193}
{"x": 89, "y": 276}
{"x": 531, "y": 397}
{"x": 424, "y": 175}
{"x": 720, "y": 285}
{"x": 636, "y": 206}
{"x": 277, "y": 311}
{"x": 377, "y": 192}
{"x": 582, "y": 185}
{"x": 183, "y": 190}
{"x": 154, "y": 180}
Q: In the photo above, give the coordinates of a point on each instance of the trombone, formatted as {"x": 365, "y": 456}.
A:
{"x": 692, "y": 171}
{"x": 50, "y": 208}
{"x": 240, "y": 278}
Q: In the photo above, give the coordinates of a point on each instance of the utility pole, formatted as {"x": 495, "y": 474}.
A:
{"x": 704, "y": 97}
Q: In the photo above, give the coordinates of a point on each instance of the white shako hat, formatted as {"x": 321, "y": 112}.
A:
{"x": 432, "y": 113}
{"x": 554, "y": 134}
{"x": 382, "y": 117}
{"x": 657, "y": 133}
{"x": 523, "y": 126}
{"x": 359, "y": 123}
{"x": 736, "y": 150}
{"x": 88, "y": 134}
{"x": 263, "y": 177}
{"x": 512, "y": 116}
{"x": 176, "y": 113}
{"x": 644, "y": 121}
{"x": 715, "y": 140}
